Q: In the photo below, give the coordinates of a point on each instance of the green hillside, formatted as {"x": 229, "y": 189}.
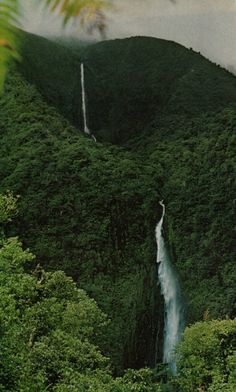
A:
{"x": 129, "y": 83}
{"x": 55, "y": 71}
{"x": 84, "y": 209}
{"x": 198, "y": 161}
{"x": 165, "y": 120}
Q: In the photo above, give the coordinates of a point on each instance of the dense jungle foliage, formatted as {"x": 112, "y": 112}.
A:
{"x": 84, "y": 208}
{"x": 197, "y": 157}
{"x": 175, "y": 112}
{"x": 52, "y": 333}
{"x": 90, "y": 209}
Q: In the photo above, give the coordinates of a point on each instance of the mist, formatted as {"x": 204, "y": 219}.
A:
{"x": 208, "y": 26}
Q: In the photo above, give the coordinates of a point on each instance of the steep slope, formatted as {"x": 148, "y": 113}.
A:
{"x": 132, "y": 82}
{"x": 92, "y": 210}
{"x": 55, "y": 70}
{"x": 84, "y": 208}
{"x": 197, "y": 157}
{"x": 129, "y": 82}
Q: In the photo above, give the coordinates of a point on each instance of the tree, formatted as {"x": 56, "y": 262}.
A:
{"x": 49, "y": 327}
{"x": 8, "y": 207}
{"x": 51, "y": 332}
{"x": 207, "y": 357}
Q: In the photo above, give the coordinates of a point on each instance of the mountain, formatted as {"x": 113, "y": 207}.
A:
{"x": 165, "y": 120}
{"x": 130, "y": 83}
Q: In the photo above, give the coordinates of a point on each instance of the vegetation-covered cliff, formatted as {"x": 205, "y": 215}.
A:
{"x": 90, "y": 209}
{"x": 130, "y": 83}
{"x": 175, "y": 111}
{"x": 84, "y": 209}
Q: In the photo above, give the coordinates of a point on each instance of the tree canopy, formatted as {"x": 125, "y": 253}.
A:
{"x": 52, "y": 333}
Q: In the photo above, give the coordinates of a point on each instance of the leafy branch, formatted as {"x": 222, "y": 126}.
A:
{"x": 9, "y": 14}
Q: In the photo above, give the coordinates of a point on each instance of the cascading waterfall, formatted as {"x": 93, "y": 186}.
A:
{"x": 86, "y": 129}
{"x": 173, "y": 300}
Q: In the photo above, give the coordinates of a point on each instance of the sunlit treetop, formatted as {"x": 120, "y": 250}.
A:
{"x": 8, "y": 207}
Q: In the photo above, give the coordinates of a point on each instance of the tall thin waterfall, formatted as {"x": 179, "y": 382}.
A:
{"x": 174, "y": 304}
{"x": 86, "y": 129}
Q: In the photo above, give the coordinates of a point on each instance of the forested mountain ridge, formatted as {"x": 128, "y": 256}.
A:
{"x": 130, "y": 83}
{"x": 91, "y": 208}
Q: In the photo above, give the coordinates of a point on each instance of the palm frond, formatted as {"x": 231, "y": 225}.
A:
{"x": 90, "y": 13}
{"x": 8, "y": 36}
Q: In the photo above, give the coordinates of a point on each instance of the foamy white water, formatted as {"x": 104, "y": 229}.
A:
{"x": 171, "y": 290}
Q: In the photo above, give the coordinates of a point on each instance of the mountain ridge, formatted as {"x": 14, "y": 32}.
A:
{"x": 129, "y": 83}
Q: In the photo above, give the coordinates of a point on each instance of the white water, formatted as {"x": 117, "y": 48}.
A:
{"x": 86, "y": 129}
{"x": 174, "y": 306}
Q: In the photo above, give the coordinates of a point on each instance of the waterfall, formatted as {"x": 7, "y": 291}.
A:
{"x": 86, "y": 130}
{"x": 173, "y": 301}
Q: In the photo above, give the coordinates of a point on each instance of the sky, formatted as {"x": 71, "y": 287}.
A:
{"x": 208, "y": 26}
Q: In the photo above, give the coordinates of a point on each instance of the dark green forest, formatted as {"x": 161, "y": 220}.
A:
{"x": 81, "y": 308}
